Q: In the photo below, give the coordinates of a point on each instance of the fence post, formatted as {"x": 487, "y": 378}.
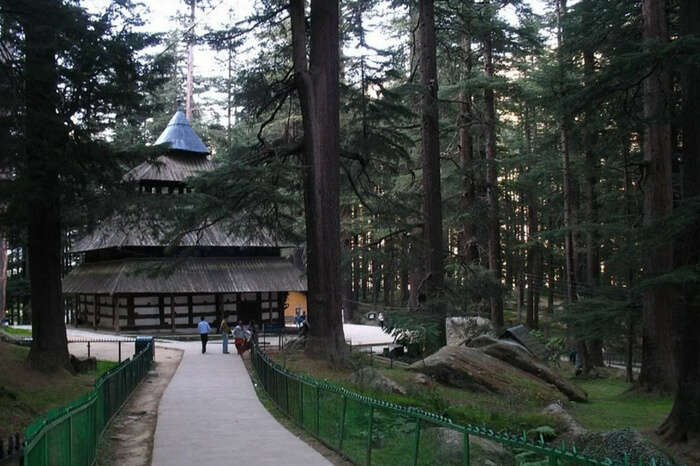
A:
{"x": 342, "y": 422}
{"x": 465, "y": 448}
{"x": 286, "y": 394}
{"x": 417, "y": 444}
{"x": 70, "y": 439}
{"x": 369, "y": 435}
{"x": 46, "y": 448}
{"x": 318, "y": 414}
{"x": 88, "y": 350}
{"x": 301, "y": 403}
{"x": 120, "y": 351}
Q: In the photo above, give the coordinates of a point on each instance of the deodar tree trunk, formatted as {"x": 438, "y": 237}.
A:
{"x": 466, "y": 155}
{"x": 432, "y": 197}
{"x": 592, "y": 175}
{"x": 3, "y": 277}
{"x": 683, "y": 423}
{"x": 493, "y": 226}
{"x": 318, "y": 87}
{"x": 658, "y": 372}
{"x": 45, "y": 139}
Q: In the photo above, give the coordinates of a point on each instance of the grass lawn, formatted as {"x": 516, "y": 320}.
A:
{"x": 611, "y": 406}
{"x": 26, "y": 394}
{"x": 20, "y": 332}
{"x": 462, "y": 406}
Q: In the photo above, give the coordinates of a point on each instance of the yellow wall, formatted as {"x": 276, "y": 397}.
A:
{"x": 294, "y": 300}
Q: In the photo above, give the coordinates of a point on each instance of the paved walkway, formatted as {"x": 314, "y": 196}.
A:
{"x": 210, "y": 415}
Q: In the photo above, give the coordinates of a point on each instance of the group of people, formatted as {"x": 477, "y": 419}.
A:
{"x": 242, "y": 335}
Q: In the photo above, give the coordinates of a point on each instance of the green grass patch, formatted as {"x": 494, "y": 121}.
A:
{"x": 26, "y": 394}
{"x": 499, "y": 412}
{"x": 20, "y": 332}
{"x": 612, "y": 406}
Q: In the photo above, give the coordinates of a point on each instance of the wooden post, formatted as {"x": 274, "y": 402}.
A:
{"x": 172, "y": 313}
{"x": 115, "y": 312}
{"x": 190, "y": 315}
{"x": 95, "y": 311}
{"x": 219, "y": 307}
{"x": 130, "y": 318}
{"x": 161, "y": 310}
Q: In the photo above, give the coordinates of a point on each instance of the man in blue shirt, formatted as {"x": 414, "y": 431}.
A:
{"x": 204, "y": 330}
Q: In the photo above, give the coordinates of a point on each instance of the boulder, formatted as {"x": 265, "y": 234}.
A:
{"x": 371, "y": 378}
{"x": 462, "y": 330}
{"x": 482, "y": 340}
{"x": 572, "y": 429}
{"x": 516, "y": 355}
{"x": 615, "y": 443}
{"x": 481, "y": 451}
{"x": 472, "y": 369}
{"x": 422, "y": 379}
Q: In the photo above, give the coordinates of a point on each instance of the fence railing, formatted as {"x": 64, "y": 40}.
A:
{"x": 369, "y": 431}
{"x": 69, "y": 435}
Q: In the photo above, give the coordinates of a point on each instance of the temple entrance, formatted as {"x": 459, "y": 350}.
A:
{"x": 249, "y": 311}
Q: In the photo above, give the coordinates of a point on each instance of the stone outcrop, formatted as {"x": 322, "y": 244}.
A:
{"x": 514, "y": 354}
{"x": 462, "y": 330}
{"x": 572, "y": 429}
{"x": 472, "y": 369}
{"x": 481, "y": 451}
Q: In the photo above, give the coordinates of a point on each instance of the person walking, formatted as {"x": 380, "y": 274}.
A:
{"x": 239, "y": 337}
{"x": 204, "y": 330}
{"x": 224, "y": 329}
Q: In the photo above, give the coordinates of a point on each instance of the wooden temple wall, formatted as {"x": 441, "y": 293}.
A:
{"x": 157, "y": 312}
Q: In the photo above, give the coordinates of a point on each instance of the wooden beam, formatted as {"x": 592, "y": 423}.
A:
{"x": 219, "y": 307}
{"x": 130, "y": 320}
{"x": 161, "y": 310}
{"x": 190, "y": 317}
{"x": 172, "y": 313}
{"x": 115, "y": 312}
{"x": 95, "y": 311}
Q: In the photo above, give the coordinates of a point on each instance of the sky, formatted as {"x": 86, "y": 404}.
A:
{"x": 160, "y": 16}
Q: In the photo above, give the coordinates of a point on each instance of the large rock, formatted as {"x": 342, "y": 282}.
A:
{"x": 472, "y": 369}
{"x": 481, "y": 451}
{"x": 371, "y": 378}
{"x": 514, "y": 354}
{"x": 572, "y": 429}
{"x": 462, "y": 330}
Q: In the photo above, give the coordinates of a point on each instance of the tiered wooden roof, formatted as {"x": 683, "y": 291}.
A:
{"x": 121, "y": 233}
{"x": 186, "y": 275}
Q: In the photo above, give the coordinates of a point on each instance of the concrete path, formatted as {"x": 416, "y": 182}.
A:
{"x": 210, "y": 415}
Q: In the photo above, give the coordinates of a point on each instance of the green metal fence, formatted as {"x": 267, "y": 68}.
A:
{"x": 372, "y": 432}
{"x": 69, "y": 435}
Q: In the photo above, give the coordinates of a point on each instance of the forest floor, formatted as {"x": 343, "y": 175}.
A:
{"x": 26, "y": 394}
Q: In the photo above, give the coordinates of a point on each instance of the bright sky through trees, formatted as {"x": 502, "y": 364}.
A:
{"x": 161, "y": 17}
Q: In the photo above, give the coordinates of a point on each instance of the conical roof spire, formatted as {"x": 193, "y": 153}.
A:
{"x": 180, "y": 135}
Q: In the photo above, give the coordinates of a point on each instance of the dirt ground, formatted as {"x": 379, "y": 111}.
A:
{"x": 129, "y": 440}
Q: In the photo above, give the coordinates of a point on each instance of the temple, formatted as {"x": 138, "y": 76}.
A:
{"x": 131, "y": 277}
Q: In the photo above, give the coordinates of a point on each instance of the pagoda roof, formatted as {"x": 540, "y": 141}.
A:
{"x": 186, "y": 275}
{"x": 180, "y": 136}
{"x": 119, "y": 232}
{"x": 170, "y": 167}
